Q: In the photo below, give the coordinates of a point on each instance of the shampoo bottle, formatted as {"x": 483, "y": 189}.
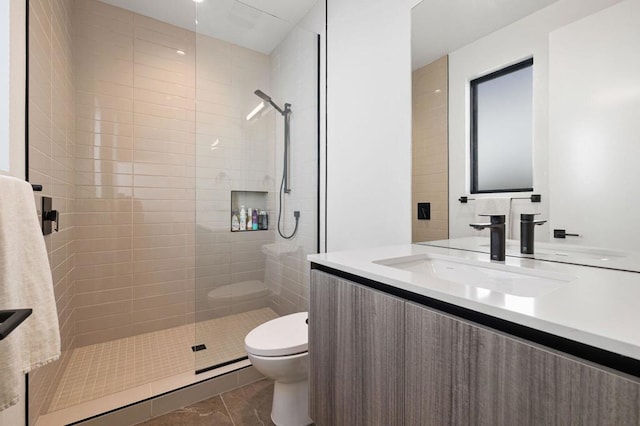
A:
{"x": 261, "y": 220}
{"x": 254, "y": 220}
{"x": 249, "y": 219}
{"x": 243, "y": 219}
{"x": 235, "y": 222}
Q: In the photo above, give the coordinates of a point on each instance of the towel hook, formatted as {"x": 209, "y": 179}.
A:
{"x": 49, "y": 215}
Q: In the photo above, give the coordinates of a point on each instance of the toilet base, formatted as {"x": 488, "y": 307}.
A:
{"x": 291, "y": 404}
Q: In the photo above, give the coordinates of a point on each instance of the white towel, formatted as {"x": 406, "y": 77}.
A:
{"x": 25, "y": 282}
{"x": 494, "y": 206}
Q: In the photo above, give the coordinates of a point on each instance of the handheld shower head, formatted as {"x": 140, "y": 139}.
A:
{"x": 284, "y": 186}
{"x": 263, "y": 95}
{"x": 267, "y": 99}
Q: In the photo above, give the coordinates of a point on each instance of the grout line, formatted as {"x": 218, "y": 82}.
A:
{"x": 227, "y": 409}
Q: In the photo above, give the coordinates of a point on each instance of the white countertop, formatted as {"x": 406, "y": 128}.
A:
{"x": 597, "y": 307}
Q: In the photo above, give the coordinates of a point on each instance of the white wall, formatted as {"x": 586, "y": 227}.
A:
{"x": 369, "y": 123}
{"x": 15, "y": 81}
{"x": 525, "y": 38}
{"x": 4, "y": 86}
{"x": 594, "y": 131}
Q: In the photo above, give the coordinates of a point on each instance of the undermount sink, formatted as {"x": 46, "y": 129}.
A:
{"x": 499, "y": 278}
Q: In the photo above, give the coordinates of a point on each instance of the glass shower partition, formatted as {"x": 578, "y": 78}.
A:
{"x": 253, "y": 69}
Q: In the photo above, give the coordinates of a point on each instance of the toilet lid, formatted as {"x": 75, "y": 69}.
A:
{"x": 282, "y": 336}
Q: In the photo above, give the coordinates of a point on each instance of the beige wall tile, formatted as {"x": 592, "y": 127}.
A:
{"x": 160, "y": 324}
{"x": 158, "y": 277}
{"x": 51, "y": 105}
{"x": 103, "y": 179}
{"x": 168, "y": 88}
{"x": 175, "y": 309}
{"x": 103, "y": 323}
{"x": 103, "y": 335}
{"x": 159, "y": 289}
{"x": 102, "y": 231}
{"x": 103, "y": 284}
{"x": 99, "y": 271}
{"x": 429, "y": 150}
{"x": 103, "y": 127}
{"x": 101, "y": 297}
{"x": 103, "y": 310}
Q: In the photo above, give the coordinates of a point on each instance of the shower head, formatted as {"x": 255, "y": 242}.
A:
{"x": 267, "y": 99}
{"x": 263, "y": 95}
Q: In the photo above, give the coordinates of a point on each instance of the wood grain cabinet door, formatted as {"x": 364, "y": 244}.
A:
{"x": 356, "y": 354}
{"x": 459, "y": 373}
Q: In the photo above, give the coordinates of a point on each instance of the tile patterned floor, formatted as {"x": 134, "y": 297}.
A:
{"x": 106, "y": 368}
{"x": 224, "y": 337}
{"x": 245, "y": 406}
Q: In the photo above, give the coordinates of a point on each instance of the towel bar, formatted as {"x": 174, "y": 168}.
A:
{"x": 535, "y": 198}
{"x": 9, "y": 320}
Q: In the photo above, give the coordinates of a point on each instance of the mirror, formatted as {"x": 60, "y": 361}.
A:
{"x": 586, "y": 100}
{"x": 501, "y": 122}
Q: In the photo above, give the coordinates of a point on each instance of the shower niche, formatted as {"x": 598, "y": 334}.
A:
{"x": 251, "y": 201}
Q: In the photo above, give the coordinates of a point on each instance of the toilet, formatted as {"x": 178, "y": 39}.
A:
{"x": 278, "y": 349}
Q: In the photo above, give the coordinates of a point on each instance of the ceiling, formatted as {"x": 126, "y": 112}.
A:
{"x": 442, "y": 26}
{"x": 255, "y": 24}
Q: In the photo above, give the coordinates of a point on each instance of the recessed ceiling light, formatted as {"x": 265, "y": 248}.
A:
{"x": 198, "y": 1}
{"x": 180, "y": 52}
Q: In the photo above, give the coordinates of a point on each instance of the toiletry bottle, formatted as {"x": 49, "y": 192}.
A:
{"x": 265, "y": 220}
{"x": 261, "y": 220}
{"x": 254, "y": 220}
{"x": 235, "y": 222}
{"x": 249, "y": 219}
{"x": 243, "y": 219}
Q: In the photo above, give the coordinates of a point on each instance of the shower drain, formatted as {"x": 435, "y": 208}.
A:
{"x": 200, "y": 347}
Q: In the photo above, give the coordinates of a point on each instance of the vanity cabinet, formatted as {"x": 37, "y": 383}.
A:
{"x": 376, "y": 359}
{"x": 356, "y": 354}
{"x": 459, "y": 373}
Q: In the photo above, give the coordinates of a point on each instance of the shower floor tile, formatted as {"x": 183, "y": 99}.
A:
{"x": 110, "y": 367}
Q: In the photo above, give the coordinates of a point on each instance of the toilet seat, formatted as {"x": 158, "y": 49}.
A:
{"x": 287, "y": 335}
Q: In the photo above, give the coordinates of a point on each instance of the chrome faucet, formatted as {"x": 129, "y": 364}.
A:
{"x": 497, "y": 227}
{"x": 527, "y": 226}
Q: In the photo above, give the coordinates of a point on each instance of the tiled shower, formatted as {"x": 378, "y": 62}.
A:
{"x": 137, "y": 130}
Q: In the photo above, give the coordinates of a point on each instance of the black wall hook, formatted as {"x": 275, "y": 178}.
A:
{"x": 49, "y": 215}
